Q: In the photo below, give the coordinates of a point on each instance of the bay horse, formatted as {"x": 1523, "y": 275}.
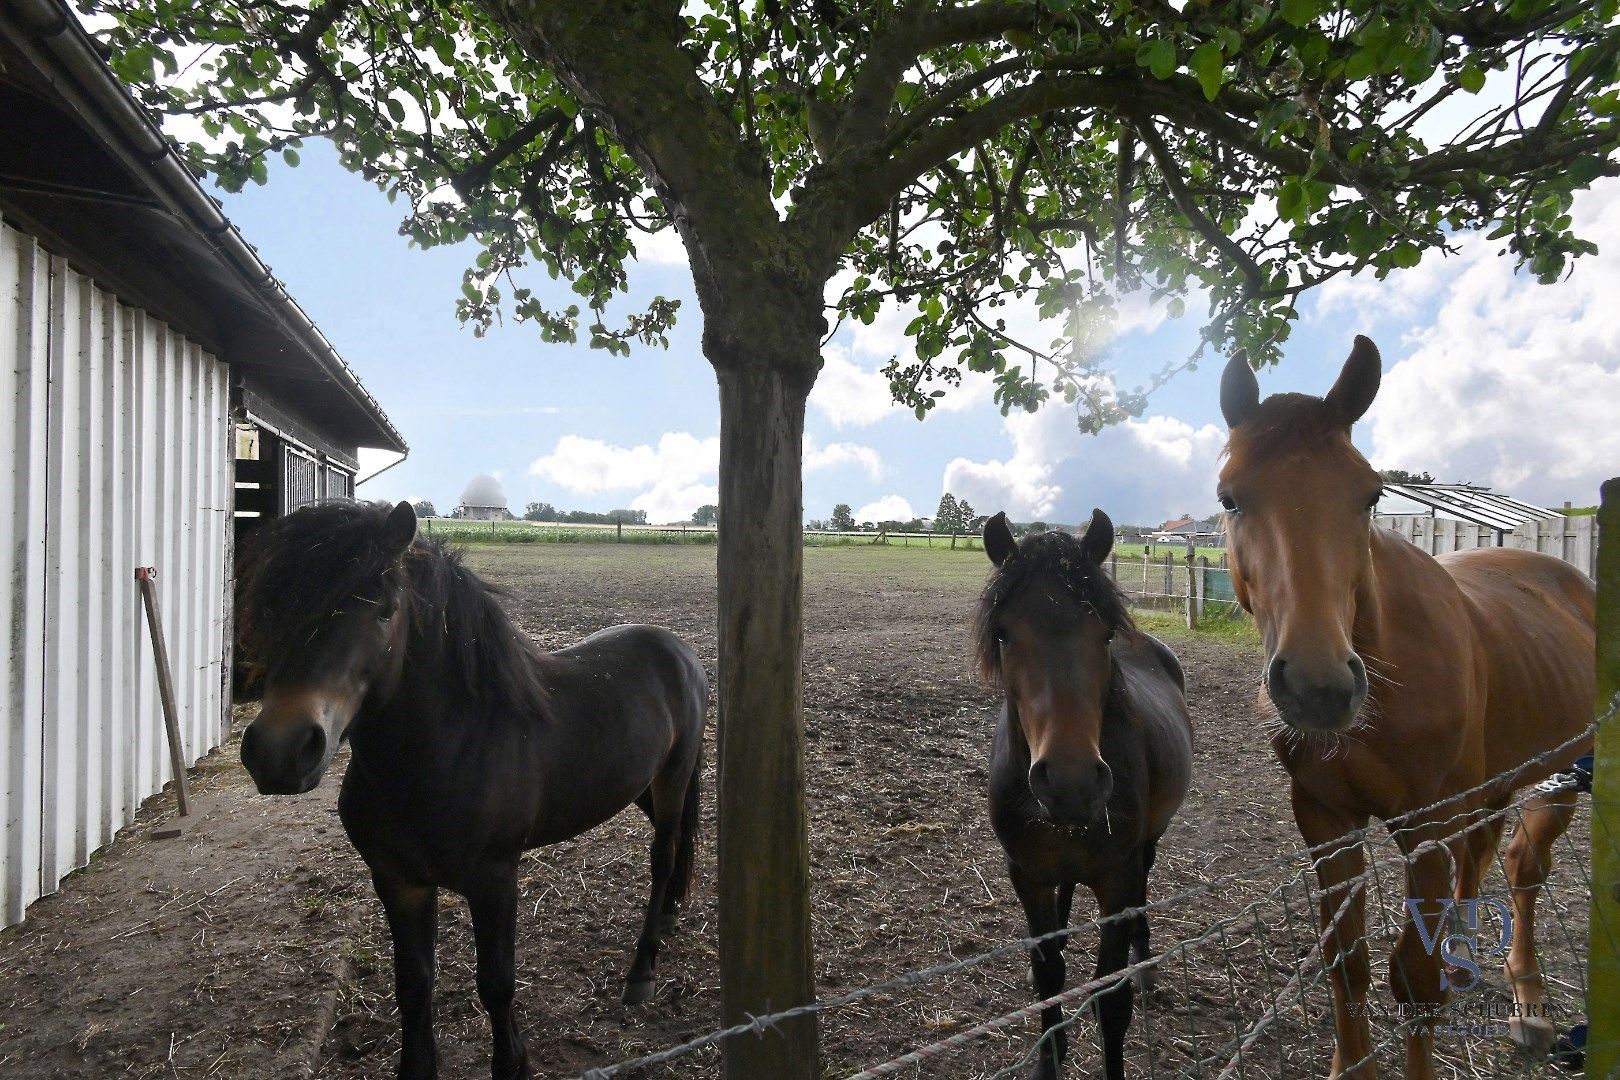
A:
{"x": 1398, "y": 679}
{"x": 1091, "y": 758}
{"x": 468, "y": 744}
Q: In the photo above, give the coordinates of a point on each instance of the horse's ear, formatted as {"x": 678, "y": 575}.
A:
{"x": 1240, "y": 390}
{"x": 1098, "y": 540}
{"x": 1357, "y": 384}
{"x": 998, "y": 539}
{"x": 400, "y": 528}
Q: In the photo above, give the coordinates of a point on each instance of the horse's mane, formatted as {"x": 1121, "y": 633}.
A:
{"x": 1056, "y": 552}
{"x": 300, "y": 569}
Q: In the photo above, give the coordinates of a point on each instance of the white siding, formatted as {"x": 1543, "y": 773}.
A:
{"x": 113, "y": 436}
{"x": 1572, "y": 539}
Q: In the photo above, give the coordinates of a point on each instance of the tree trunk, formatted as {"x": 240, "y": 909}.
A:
{"x": 766, "y": 963}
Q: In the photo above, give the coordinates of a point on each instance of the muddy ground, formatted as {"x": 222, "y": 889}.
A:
{"x": 255, "y": 948}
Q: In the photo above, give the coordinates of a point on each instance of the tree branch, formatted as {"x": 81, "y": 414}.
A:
{"x": 1210, "y": 230}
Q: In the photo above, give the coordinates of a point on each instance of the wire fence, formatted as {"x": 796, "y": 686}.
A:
{"x": 1198, "y": 585}
{"x": 1246, "y": 993}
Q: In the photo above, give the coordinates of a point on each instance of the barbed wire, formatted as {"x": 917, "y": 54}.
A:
{"x": 1303, "y": 862}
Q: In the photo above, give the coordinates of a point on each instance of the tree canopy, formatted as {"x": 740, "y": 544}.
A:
{"x": 948, "y": 157}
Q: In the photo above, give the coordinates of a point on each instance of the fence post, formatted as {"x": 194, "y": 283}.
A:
{"x": 1603, "y": 958}
{"x": 1192, "y": 591}
{"x": 1203, "y": 584}
{"x": 1147, "y": 561}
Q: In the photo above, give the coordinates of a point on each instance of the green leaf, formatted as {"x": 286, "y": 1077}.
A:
{"x": 1158, "y": 57}
{"x": 1207, "y": 65}
{"x": 1299, "y": 12}
{"x": 1471, "y": 78}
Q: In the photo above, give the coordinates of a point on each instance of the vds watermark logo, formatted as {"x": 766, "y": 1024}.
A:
{"x": 1461, "y": 943}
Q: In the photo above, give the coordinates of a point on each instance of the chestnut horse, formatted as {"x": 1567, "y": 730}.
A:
{"x": 1398, "y": 680}
{"x": 1091, "y": 759}
{"x": 469, "y": 745}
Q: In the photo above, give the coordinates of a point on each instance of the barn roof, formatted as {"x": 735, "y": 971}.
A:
{"x": 1479, "y": 505}
{"x": 84, "y": 168}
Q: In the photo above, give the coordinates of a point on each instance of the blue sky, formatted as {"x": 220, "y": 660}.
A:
{"x": 1489, "y": 378}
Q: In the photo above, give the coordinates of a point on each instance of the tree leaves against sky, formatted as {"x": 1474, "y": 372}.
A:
{"x": 1065, "y": 153}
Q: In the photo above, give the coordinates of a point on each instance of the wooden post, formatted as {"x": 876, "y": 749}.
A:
{"x": 147, "y": 577}
{"x": 1192, "y": 590}
{"x": 1146, "y": 569}
{"x": 1203, "y": 584}
{"x": 1603, "y": 959}
{"x": 618, "y": 530}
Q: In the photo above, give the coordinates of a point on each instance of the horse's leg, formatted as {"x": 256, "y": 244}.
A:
{"x": 1472, "y": 866}
{"x": 494, "y": 914}
{"x": 1146, "y": 978}
{"x": 1114, "y": 1004}
{"x": 680, "y": 882}
{"x": 1414, "y": 971}
{"x": 668, "y": 797}
{"x": 1528, "y": 861}
{"x": 413, "y": 921}
{"x": 1339, "y": 871}
{"x": 1046, "y": 965}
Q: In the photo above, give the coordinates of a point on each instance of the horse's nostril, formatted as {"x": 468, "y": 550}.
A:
{"x": 1274, "y": 673}
{"x": 313, "y": 752}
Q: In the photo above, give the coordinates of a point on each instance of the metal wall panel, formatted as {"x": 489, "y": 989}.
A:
{"x": 113, "y": 440}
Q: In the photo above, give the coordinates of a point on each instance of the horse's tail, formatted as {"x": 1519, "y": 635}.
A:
{"x": 680, "y": 882}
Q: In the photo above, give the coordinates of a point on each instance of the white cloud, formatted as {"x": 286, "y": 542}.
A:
{"x": 591, "y": 466}
{"x": 674, "y": 477}
{"x": 666, "y": 504}
{"x": 849, "y": 394}
{"x": 1512, "y": 383}
{"x": 841, "y": 453}
{"x": 662, "y": 248}
{"x": 1140, "y": 472}
{"x": 888, "y": 508}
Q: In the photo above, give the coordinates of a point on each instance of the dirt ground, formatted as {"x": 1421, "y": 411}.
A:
{"x": 255, "y": 948}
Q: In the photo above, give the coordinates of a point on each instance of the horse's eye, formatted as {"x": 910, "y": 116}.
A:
{"x": 1372, "y": 505}
{"x": 1109, "y": 636}
{"x": 1001, "y": 635}
{"x": 1228, "y": 503}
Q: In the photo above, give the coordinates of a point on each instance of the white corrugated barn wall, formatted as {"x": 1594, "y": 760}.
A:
{"x": 113, "y": 444}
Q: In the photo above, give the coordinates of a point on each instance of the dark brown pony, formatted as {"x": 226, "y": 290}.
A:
{"x": 1399, "y": 680}
{"x": 470, "y": 746}
{"x": 1091, "y": 758}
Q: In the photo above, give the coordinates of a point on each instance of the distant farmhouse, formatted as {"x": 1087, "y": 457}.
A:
{"x": 1208, "y": 532}
{"x": 483, "y": 500}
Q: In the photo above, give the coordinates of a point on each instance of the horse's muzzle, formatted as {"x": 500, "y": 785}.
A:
{"x": 1317, "y": 696}
{"x": 285, "y": 758}
{"x": 1072, "y": 793}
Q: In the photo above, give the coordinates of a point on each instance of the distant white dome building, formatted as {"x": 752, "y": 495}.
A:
{"x": 483, "y": 500}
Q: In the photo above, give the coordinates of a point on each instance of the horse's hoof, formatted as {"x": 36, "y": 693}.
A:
{"x": 1533, "y": 1035}
{"x": 668, "y": 923}
{"x": 1044, "y": 1069}
{"x": 638, "y": 992}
